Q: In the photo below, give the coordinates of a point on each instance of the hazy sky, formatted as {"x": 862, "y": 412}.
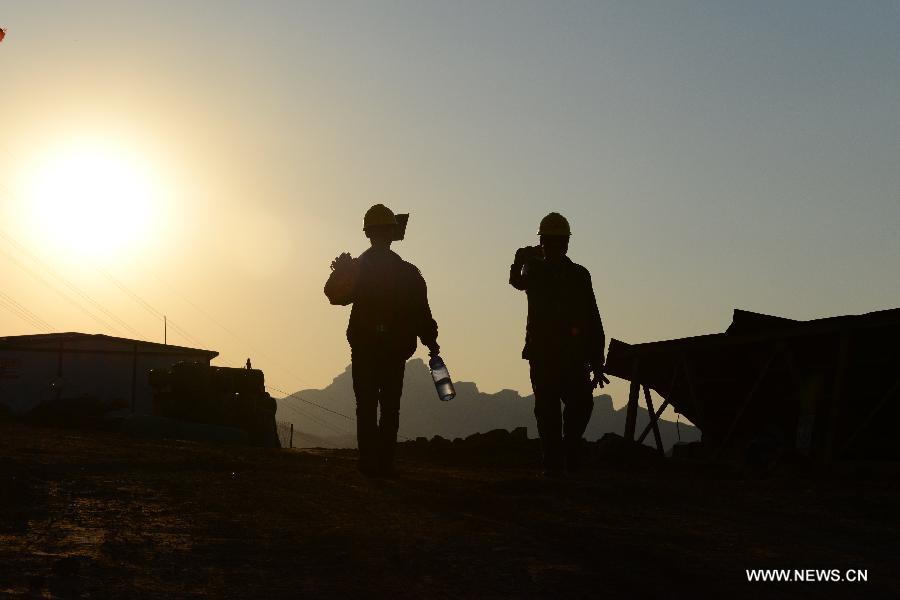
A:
{"x": 709, "y": 155}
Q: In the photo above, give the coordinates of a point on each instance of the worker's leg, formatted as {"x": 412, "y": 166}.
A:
{"x": 577, "y": 396}
{"x": 364, "y": 368}
{"x": 391, "y": 376}
{"x": 545, "y": 383}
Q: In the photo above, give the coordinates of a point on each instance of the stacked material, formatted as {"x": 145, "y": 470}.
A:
{"x": 234, "y": 398}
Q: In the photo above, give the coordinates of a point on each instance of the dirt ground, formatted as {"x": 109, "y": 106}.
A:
{"x": 102, "y": 515}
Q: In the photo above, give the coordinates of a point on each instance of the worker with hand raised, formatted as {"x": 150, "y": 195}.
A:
{"x": 564, "y": 342}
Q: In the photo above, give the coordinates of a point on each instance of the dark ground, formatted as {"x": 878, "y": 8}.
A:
{"x": 89, "y": 514}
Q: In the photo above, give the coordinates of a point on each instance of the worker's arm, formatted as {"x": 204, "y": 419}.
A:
{"x": 341, "y": 283}
{"x": 596, "y": 335}
{"x": 518, "y": 276}
{"x": 426, "y": 326}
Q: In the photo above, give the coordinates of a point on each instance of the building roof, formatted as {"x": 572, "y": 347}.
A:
{"x": 749, "y": 327}
{"x": 24, "y": 341}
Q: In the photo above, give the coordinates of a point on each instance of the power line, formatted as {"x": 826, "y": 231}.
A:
{"x": 318, "y": 420}
{"x": 309, "y": 416}
{"x": 325, "y": 408}
{"x": 149, "y": 307}
{"x": 23, "y": 313}
{"x": 41, "y": 323}
{"x": 146, "y": 305}
{"x": 72, "y": 287}
{"x": 298, "y": 397}
{"x": 106, "y": 326}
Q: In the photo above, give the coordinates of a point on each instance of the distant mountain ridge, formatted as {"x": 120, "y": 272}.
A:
{"x": 422, "y": 414}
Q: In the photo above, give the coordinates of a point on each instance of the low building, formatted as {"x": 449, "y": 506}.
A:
{"x": 46, "y": 368}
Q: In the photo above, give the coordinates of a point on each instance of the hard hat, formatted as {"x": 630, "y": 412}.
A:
{"x": 554, "y": 224}
{"x": 379, "y": 216}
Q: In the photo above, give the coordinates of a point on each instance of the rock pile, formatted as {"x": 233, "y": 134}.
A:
{"x": 502, "y": 447}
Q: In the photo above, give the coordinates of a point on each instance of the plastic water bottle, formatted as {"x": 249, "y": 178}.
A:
{"x": 441, "y": 377}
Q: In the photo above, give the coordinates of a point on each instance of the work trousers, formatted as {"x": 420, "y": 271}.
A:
{"x": 561, "y": 434}
{"x": 377, "y": 383}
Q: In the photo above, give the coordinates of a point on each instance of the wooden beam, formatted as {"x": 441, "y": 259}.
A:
{"x": 672, "y": 382}
{"x": 656, "y": 437}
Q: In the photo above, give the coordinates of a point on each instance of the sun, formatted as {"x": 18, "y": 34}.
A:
{"x": 93, "y": 200}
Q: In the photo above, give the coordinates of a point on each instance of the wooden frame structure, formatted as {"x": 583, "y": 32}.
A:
{"x": 824, "y": 388}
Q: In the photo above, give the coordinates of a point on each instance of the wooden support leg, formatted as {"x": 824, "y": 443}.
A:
{"x": 631, "y": 414}
{"x": 840, "y": 379}
{"x": 888, "y": 397}
{"x": 655, "y": 418}
{"x": 649, "y": 427}
{"x": 656, "y": 437}
{"x": 697, "y": 418}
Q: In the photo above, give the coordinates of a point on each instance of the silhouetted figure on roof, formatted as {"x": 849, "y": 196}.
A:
{"x": 390, "y": 309}
{"x": 564, "y": 342}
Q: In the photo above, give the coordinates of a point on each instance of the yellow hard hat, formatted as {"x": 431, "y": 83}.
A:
{"x": 554, "y": 224}
{"x": 379, "y": 216}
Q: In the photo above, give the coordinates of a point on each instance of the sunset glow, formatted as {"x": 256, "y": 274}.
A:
{"x": 92, "y": 200}
{"x": 709, "y": 156}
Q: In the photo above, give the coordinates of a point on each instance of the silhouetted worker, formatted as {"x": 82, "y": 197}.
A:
{"x": 390, "y": 309}
{"x": 564, "y": 342}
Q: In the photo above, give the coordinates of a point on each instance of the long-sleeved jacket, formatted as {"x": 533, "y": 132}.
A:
{"x": 563, "y": 319}
{"x": 390, "y": 303}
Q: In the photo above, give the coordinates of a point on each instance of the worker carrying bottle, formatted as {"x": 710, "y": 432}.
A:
{"x": 390, "y": 309}
{"x": 564, "y": 342}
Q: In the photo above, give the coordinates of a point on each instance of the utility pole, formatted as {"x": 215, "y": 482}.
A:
{"x": 165, "y": 330}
